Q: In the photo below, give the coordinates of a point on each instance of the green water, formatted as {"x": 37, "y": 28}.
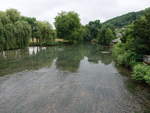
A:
{"x": 68, "y": 79}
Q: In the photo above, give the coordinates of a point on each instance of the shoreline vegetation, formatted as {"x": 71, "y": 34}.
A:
{"x": 129, "y": 38}
{"x": 56, "y": 42}
{"x": 134, "y": 45}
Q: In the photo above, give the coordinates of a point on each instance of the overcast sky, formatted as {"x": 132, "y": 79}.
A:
{"x": 87, "y": 9}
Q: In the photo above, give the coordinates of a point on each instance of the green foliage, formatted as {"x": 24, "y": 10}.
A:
{"x": 135, "y": 44}
{"x": 124, "y": 20}
{"x": 42, "y": 31}
{"x": 141, "y": 72}
{"x": 68, "y": 26}
{"x": 141, "y": 34}
{"x": 22, "y": 33}
{"x": 10, "y": 42}
{"x": 16, "y": 31}
{"x": 105, "y": 36}
{"x": 127, "y": 33}
{"x": 50, "y": 43}
{"x": 45, "y": 32}
{"x": 97, "y": 32}
{"x": 123, "y": 56}
{"x": 4, "y": 18}
{"x": 147, "y": 77}
{"x": 93, "y": 29}
{"x": 32, "y": 22}
{"x": 13, "y": 15}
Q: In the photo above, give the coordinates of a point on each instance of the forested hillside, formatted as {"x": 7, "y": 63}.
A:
{"x": 126, "y": 19}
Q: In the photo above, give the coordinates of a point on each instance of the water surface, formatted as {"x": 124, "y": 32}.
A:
{"x": 70, "y": 79}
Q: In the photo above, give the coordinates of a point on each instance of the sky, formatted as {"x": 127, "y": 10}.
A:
{"x": 46, "y": 10}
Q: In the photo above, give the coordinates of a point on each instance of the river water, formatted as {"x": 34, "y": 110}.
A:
{"x": 68, "y": 79}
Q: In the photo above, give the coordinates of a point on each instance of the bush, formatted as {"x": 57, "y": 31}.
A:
{"x": 123, "y": 56}
{"x": 141, "y": 72}
{"x": 147, "y": 76}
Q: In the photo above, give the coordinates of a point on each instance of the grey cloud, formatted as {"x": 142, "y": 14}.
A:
{"x": 87, "y": 9}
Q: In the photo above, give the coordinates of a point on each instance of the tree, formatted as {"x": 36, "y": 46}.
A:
{"x": 32, "y": 22}
{"x": 14, "y": 33}
{"x": 16, "y": 30}
{"x": 141, "y": 34}
{"x": 67, "y": 25}
{"x": 44, "y": 32}
{"x": 13, "y": 15}
{"x": 10, "y": 41}
{"x": 2, "y": 40}
{"x": 93, "y": 28}
{"x": 109, "y": 36}
{"x": 22, "y": 33}
{"x": 4, "y": 18}
{"x": 105, "y": 36}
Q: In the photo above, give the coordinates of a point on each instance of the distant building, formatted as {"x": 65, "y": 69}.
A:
{"x": 116, "y": 41}
{"x": 118, "y": 35}
{"x": 147, "y": 59}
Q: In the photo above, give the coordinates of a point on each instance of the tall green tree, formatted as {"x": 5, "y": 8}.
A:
{"x": 68, "y": 26}
{"x": 44, "y": 32}
{"x": 32, "y": 22}
{"x": 141, "y": 34}
{"x": 22, "y": 33}
{"x": 13, "y": 15}
{"x": 2, "y": 39}
{"x": 93, "y": 29}
{"x": 14, "y": 33}
{"x": 105, "y": 36}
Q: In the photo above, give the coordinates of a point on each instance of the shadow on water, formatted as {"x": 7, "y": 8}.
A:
{"x": 68, "y": 79}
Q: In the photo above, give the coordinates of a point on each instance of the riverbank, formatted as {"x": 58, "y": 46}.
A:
{"x": 140, "y": 89}
{"x": 56, "y": 42}
{"x": 129, "y": 59}
{"x": 46, "y": 44}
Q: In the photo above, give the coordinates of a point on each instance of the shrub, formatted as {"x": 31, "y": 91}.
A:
{"x": 123, "y": 56}
{"x": 141, "y": 72}
{"x": 147, "y": 76}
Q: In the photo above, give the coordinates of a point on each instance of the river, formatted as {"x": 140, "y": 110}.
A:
{"x": 68, "y": 79}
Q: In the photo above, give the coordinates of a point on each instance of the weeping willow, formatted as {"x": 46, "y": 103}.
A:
{"x": 16, "y": 31}
{"x": 22, "y": 33}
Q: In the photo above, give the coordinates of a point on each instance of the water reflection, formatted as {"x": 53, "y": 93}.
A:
{"x": 69, "y": 79}
{"x": 20, "y": 60}
{"x": 35, "y": 50}
{"x": 68, "y": 58}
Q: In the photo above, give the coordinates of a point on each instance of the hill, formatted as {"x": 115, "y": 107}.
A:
{"x": 121, "y": 21}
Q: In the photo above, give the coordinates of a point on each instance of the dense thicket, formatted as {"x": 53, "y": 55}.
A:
{"x": 16, "y": 31}
{"x": 124, "y": 20}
